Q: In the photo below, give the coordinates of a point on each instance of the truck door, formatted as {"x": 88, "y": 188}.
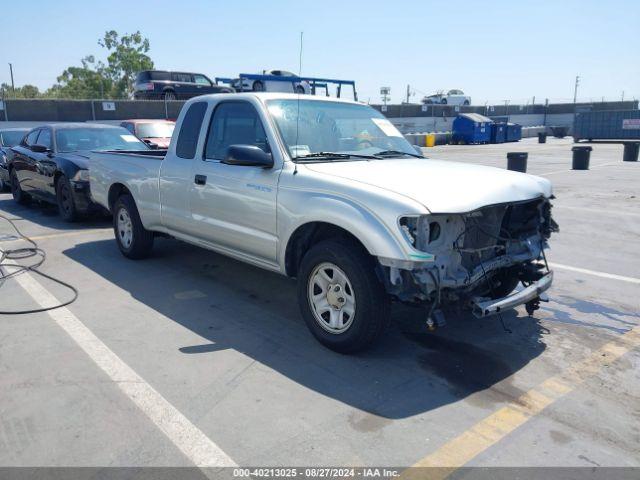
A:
{"x": 235, "y": 206}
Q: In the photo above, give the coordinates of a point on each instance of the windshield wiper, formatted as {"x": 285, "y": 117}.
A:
{"x": 390, "y": 153}
{"x": 331, "y": 156}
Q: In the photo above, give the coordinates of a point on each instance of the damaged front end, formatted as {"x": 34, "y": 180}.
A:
{"x": 475, "y": 259}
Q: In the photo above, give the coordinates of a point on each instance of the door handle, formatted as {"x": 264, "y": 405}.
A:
{"x": 200, "y": 179}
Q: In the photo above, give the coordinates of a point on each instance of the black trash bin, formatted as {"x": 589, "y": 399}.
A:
{"x": 631, "y": 152}
{"x": 517, "y": 161}
{"x": 581, "y": 157}
{"x": 542, "y": 137}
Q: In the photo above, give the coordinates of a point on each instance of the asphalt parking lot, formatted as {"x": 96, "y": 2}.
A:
{"x": 193, "y": 358}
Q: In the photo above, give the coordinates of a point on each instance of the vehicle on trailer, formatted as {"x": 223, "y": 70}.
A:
{"x": 452, "y": 97}
{"x": 276, "y": 85}
{"x": 155, "y": 133}
{"x": 8, "y": 138}
{"x": 330, "y": 192}
{"x": 163, "y": 85}
{"x": 51, "y": 161}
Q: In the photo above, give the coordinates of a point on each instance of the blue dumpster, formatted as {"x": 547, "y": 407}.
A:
{"x": 470, "y": 128}
{"x": 514, "y": 132}
{"x": 498, "y": 132}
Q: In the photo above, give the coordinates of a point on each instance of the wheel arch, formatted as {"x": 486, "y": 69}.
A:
{"x": 116, "y": 191}
{"x": 309, "y": 234}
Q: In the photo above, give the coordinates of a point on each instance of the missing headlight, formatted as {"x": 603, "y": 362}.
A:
{"x": 434, "y": 231}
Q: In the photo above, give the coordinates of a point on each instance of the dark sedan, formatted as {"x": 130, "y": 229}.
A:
{"x": 51, "y": 164}
{"x": 8, "y": 138}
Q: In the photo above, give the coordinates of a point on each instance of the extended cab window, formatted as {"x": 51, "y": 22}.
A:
{"x": 190, "y": 130}
{"x": 234, "y": 123}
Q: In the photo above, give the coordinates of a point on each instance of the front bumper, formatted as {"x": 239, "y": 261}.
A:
{"x": 482, "y": 307}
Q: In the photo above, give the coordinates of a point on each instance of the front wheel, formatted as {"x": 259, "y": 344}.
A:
{"x": 66, "y": 203}
{"x": 258, "y": 86}
{"x": 342, "y": 301}
{"x": 134, "y": 241}
{"x": 443, "y": 101}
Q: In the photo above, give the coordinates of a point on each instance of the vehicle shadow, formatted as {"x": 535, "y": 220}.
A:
{"x": 46, "y": 215}
{"x": 236, "y": 306}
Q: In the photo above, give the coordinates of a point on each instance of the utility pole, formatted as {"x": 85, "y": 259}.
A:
{"x": 409, "y": 93}
{"x": 575, "y": 97}
{"x": 13, "y": 86}
{"x": 622, "y": 99}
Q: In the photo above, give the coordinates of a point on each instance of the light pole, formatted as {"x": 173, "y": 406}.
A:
{"x": 575, "y": 89}
{"x": 13, "y": 87}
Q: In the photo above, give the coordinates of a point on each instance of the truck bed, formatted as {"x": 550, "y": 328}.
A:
{"x": 138, "y": 170}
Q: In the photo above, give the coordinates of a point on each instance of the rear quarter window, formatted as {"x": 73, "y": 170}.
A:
{"x": 190, "y": 130}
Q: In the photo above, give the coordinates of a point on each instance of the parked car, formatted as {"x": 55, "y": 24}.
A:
{"x": 264, "y": 85}
{"x": 155, "y": 133}
{"x": 452, "y": 97}
{"x": 50, "y": 164}
{"x": 329, "y": 191}
{"x": 8, "y": 138}
{"x": 162, "y": 85}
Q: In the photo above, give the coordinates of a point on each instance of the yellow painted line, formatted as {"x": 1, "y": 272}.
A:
{"x": 62, "y": 234}
{"x": 462, "y": 449}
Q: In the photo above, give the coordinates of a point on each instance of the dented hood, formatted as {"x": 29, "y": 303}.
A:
{"x": 441, "y": 186}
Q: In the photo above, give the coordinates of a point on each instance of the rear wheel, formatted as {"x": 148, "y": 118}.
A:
{"x": 300, "y": 89}
{"x": 342, "y": 301}
{"x": 443, "y": 101}
{"x": 134, "y": 241}
{"x": 16, "y": 190}
{"x": 66, "y": 203}
{"x": 258, "y": 86}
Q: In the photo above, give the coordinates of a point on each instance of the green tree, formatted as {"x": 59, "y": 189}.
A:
{"x": 127, "y": 54}
{"x": 26, "y": 91}
{"x": 87, "y": 81}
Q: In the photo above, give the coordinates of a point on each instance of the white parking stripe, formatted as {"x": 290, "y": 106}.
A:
{"x": 199, "y": 448}
{"x": 611, "y": 276}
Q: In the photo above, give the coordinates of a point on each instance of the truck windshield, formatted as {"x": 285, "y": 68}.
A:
{"x": 316, "y": 128}
{"x": 74, "y": 139}
{"x": 155, "y": 130}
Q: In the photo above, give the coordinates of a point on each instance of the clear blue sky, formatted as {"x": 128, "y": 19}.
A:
{"x": 494, "y": 50}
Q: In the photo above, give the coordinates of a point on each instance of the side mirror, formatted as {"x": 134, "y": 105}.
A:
{"x": 39, "y": 148}
{"x": 248, "y": 155}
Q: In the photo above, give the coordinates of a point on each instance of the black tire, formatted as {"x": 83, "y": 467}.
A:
{"x": 169, "y": 96}
{"x": 140, "y": 243}
{"x": 466, "y": 103}
{"x": 19, "y": 195}
{"x": 300, "y": 90}
{"x": 371, "y": 311}
{"x": 66, "y": 203}
{"x": 443, "y": 101}
{"x": 503, "y": 284}
{"x": 258, "y": 86}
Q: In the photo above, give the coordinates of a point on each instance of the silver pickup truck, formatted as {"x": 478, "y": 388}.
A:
{"x": 329, "y": 192}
